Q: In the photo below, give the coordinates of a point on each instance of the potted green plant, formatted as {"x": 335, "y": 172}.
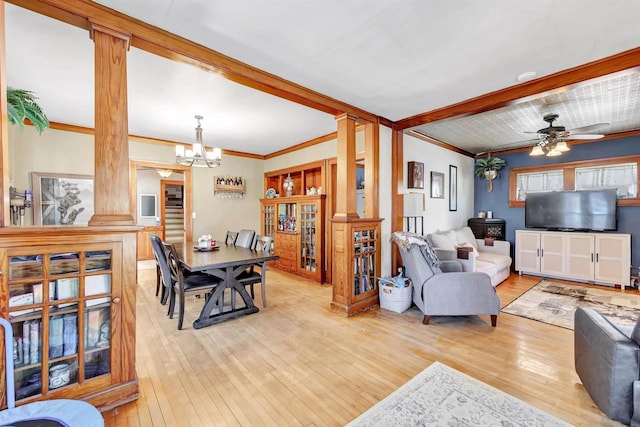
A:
{"x": 489, "y": 168}
{"x": 21, "y": 105}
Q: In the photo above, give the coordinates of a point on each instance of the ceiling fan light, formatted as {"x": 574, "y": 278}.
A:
{"x": 536, "y": 151}
{"x": 562, "y": 146}
{"x": 554, "y": 152}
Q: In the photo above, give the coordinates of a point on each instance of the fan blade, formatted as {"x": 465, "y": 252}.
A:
{"x": 585, "y": 136}
{"x": 589, "y": 128}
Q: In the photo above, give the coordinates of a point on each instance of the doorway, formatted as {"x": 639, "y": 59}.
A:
{"x": 172, "y": 211}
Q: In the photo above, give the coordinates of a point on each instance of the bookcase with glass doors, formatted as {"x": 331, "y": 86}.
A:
{"x": 70, "y": 300}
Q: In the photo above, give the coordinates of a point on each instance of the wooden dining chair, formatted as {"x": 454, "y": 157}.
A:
{"x": 250, "y": 277}
{"x": 231, "y": 238}
{"x": 245, "y": 238}
{"x": 197, "y": 283}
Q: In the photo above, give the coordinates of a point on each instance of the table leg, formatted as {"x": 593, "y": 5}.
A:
{"x": 229, "y": 282}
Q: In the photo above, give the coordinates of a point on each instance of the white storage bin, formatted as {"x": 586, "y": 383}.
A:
{"x": 394, "y": 298}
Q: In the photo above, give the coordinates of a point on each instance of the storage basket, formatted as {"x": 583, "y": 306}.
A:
{"x": 394, "y": 298}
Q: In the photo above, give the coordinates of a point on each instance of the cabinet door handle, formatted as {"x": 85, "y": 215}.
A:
{"x": 591, "y": 256}
{"x": 597, "y": 257}
{"x": 538, "y": 252}
{"x": 116, "y": 300}
{"x": 541, "y": 253}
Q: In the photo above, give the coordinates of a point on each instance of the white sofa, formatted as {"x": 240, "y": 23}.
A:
{"x": 493, "y": 260}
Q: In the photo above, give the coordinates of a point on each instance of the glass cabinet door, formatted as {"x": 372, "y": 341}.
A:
{"x": 268, "y": 219}
{"x": 308, "y": 260}
{"x": 364, "y": 265}
{"x": 60, "y": 310}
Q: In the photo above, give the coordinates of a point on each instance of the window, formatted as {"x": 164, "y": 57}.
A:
{"x": 622, "y": 177}
{"x": 538, "y": 182}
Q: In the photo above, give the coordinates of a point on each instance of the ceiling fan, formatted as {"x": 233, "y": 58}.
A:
{"x": 551, "y": 140}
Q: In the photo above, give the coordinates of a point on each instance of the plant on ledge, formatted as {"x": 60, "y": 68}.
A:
{"x": 21, "y": 105}
{"x": 489, "y": 168}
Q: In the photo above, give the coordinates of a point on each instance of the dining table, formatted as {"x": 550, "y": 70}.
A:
{"x": 226, "y": 262}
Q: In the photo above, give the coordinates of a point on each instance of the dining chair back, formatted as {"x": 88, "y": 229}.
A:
{"x": 245, "y": 238}
{"x": 231, "y": 238}
{"x": 197, "y": 283}
{"x": 250, "y": 277}
{"x": 162, "y": 268}
{"x": 262, "y": 243}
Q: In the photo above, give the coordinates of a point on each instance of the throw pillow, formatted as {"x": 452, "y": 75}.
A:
{"x": 444, "y": 240}
{"x": 465, "y": 234}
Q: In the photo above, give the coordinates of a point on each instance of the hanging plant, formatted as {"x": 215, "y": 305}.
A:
{"x": 489, "y": 169}
{"x": 21, "y": 105}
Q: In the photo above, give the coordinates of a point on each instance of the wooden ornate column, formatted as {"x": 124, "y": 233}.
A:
{"x": 111, "y": 181}
{"x": 356, "y": 242}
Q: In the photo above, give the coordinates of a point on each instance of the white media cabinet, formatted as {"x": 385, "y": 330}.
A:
{"x": 603, "y": 258}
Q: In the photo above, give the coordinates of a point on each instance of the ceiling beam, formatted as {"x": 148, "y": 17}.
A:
{"x": 163, "y": 43}
{"x": 503, "y": 97}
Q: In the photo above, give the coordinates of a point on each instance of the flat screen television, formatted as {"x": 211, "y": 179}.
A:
{"x": 593, "y": 210}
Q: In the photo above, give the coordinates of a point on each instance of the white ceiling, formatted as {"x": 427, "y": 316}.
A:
{"x": 392, "y": 58}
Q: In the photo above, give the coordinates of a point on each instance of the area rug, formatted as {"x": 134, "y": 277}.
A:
{"x": 442, "y": 396}
{"x": 556, "y": 303}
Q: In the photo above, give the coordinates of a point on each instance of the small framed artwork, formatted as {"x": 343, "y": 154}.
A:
{"x": 437, "y": 185}
{"x": 62, "y": 199}
{"x": 453, "y": 188}
{"x": 415, "y": 175}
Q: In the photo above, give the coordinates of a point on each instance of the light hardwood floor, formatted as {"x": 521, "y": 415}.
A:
{"x": 297, "y": 363}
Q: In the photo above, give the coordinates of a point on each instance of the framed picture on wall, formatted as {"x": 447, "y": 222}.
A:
{"x": 437, "y": 185}
{"x": 453, "y": 188}
{"x": 415, "y": 175}
{"x": 62, "y": 199}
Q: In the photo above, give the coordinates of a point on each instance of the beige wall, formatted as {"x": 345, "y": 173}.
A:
{"x": 50, "y": 152}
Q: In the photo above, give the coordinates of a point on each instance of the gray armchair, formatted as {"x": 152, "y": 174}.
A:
{"x": 607, "y": 362}
{"x": 441, "y": 288}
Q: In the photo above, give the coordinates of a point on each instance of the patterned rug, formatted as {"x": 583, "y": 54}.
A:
{"x": 442, "y": 396}
{"x": 555, "y": 303}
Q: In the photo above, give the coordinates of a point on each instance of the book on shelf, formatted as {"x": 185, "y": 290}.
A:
{"x": 56, "y": 330}
{"x": 70, "y": 334}
{"x": 96, "y": 285}
{"x": 26, "y": 345}
{"x": 66, "y": 289}
{"x": 34, "y": 341}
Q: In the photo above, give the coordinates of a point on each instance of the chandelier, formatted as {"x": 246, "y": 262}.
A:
{"x": 164, "y": 173}
{"x": 198, "y": 155}
{"x": 549, "y": 146}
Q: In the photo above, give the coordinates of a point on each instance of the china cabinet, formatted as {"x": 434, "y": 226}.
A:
{"x": 69, "y": 294}
{"x": 297, "y": 226}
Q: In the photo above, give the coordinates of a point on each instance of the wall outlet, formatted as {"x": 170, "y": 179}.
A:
{"x": 193, "y": 215}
